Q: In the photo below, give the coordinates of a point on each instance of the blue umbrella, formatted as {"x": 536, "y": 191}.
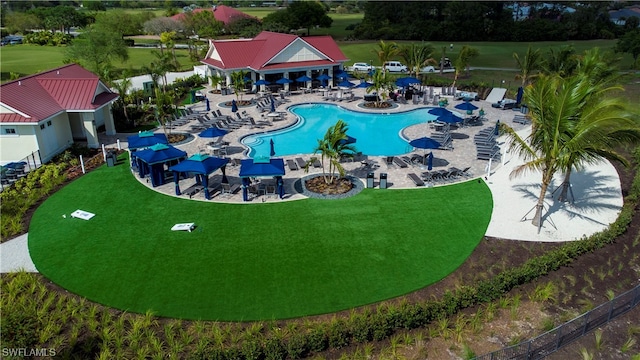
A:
{"x": 262, "y": 82}
{"x": 247, "y": 79}
{"x": 346, "y": 83}
{"x": 430, "y": 161}
{"x": 341, "y": 75}
{"x": 234, "y": 105}
{"x": 273, "y": 105}
{"x": 467, "y": 106}
{"x": 364, "y": 84}
{"x": 272, "y": 150}
{"x": 497, "y": 129}
{"x": 425, "y": 143}
{"x": 348, "y": 140}
{"x": 439, "y": 111}
{"x": 212, "y": 132}
{"x": 303, "y": 78}
{"x": 450, "y": 118}
{"x": 406, "y": 81}
{"x": 208, "y": 105}
{"x": 323, "y": 78}
{"x": 371, "y": 72}
{"x": 284, "y": 81}
{"x": 519, "y": 95}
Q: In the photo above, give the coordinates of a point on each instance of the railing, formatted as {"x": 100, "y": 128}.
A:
{"x": 554, "y": 339}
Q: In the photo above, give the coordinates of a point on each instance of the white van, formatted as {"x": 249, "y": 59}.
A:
{"x": 394, "y": 66}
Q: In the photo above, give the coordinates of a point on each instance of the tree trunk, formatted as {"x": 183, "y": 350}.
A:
{"x": 537, "y": 218}
{"x": 565, "y": 187}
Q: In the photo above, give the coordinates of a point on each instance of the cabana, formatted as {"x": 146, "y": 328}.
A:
{"x": 201, "y": 165}
{"x": 152, "y": 161}
{"x": 143, "y": 140}
{"x": 262, "y": 167}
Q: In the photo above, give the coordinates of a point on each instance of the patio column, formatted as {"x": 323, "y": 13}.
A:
{"x": 109, "y": 125}
{"x": 286, "y": 86}
{"x": 254, "y": 88}
{"x": 228, "y": 79}
{"x": 309, "y": 83}
{"x": 90, "y": 131}
{"x": 330, "y": 81}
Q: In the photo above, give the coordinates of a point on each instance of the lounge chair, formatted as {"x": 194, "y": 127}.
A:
{"x": 389, "y": 161}
{"x": 292, "y": 165}
{"x": 317, "y": 164}
{"x": 399, "y": 162}
{"x": 416, "y": 180}
{"x": 301, "y": 163}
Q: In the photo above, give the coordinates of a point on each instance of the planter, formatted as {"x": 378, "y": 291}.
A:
{"x": 357, "y": 186}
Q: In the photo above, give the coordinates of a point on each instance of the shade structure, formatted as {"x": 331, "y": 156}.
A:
{"x": 200, "y": 164}
{"x": 284, "y": 81}
{"x": 364, "y": 84}
{"x": 152, "y": 159}
{"x": 341, "y": 75}
{"x": 425, "y": 143}
{"x": 519, "y": 95}
{"x": 234, "y": 105}
{"x": 259, "y": 168}
{"x": 145, "y": 139}
{"x": 450, "y": 118}
{"x": 439, "y": 111}
{"x": 303, "y": 78}
{"x": 213, "y": 132}
{"x": 406, "y": 81}
{"x": 262, "y": 82}
{"x": 207, "y": 104}
{"x": 346, "y": 84}
{"x": 467, "y": 106}
{"x": 272, "y": 149}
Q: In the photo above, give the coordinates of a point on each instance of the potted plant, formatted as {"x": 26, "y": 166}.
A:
{"x": 443, "y": 102}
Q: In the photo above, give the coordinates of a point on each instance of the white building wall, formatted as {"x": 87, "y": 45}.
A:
{"x": 14, "y": 147}
{"x": 55, "y": 137}
{"x": 297, "y": 51}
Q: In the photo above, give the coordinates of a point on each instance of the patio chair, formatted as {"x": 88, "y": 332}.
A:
{"x": 399, "y": 162}
{"x": 301, "y": 163}
{"x": 416, "y": 180}
{"x": 389, "y": 161}
{"x": 270, "y": 191}
{"x": 292, "y": 165}
{"x": 317, "y": 164}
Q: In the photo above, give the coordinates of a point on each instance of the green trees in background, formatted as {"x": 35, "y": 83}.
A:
{"x": 416, "y": 56}
{"x": 529, "y": 65}
{"x": 630, "y": 43}
{"x": 299, "y": 14}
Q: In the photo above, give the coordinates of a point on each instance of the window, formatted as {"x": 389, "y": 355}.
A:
{"x": 49, "y": 123}
{"x": 10, "y": 131}
{"x": 41, "y": 126}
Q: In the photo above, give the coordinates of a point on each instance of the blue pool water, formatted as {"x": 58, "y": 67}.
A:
{"x": 376, "y": 134}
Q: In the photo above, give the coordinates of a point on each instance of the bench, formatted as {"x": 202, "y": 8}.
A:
{"x": 416, "y": 180}
{"x": 192, "y": 190}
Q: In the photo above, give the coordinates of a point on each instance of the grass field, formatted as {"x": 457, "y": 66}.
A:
{"x": 251, "y": 261}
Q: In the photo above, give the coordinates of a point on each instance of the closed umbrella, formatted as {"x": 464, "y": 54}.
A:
{"x": 496, "y": 132}
{"x": 519, "y": 95}
{"x": 234, "y": 105}
{"x": 273, "y": 105}
{"x": 272, "y": 150}
{"x": 430, "y": 161}
{"x": 207, "y": 104}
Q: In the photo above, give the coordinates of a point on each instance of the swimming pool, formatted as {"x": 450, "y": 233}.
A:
{"x": 376, "y": 134}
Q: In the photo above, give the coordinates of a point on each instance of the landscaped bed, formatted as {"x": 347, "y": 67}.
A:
{"x": 246, "y": 262}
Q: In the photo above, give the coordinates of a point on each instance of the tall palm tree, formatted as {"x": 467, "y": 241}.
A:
{"x": 528, "y": 65}
{"x": 386, "y": 51}
{"x": 553, "y": 102}
{"x": 417, "y": 56}
{"x": 381, "y": 82}
{"x": 163, "y": 65}
{"x": 561, "y": 61}
{"x": 467, "y": 53}
{"x": 237, "y": 80}
{"x": 332, "y": 148}
{"x": 122, "y": 87}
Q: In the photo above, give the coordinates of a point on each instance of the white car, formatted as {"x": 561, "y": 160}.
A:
{"x": 428, "y": 69}
{"x": 362, "y": 67}
{"x": 395, "y": 66}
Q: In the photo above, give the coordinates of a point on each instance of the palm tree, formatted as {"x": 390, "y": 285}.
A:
{"x": 528, "y": 65}
{"x": 561, "y": 62}
{"x": 162, "y": 66}
{"x": 122, "y": 87}
{"x": 237, "y": 80}
{"x": 386, "y": 51}
{"x": 417, "y": 56}
{"x": 467, "y": 53}
{"x": 332, "y": 148}
{"x": 553, "y": 102}
{"x": 380, "y": 80}
{"x": 215, "y": 80}
{"x": 164, "y": 109}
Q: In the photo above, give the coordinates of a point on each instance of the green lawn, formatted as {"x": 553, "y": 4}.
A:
{"x": 251, "y": 261}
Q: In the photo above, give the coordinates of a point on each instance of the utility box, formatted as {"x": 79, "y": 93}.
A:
{"x": 370, "y": 178}
{"x": 147, "y": 88}
{"x": 111, "y": 159}
{"x": 383, "y": 180}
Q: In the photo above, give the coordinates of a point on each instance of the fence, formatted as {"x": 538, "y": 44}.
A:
{"x": 564, "y": 334}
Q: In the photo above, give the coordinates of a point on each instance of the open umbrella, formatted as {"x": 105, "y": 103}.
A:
{"x": 272, "y": 150}
{"x": 406, "y": 81}
{"x": 439, "y": 111}
{"x": 212, "y": 132}
{"x": 348, "y": 140}
{"x": 341, "y": 75}
{"x": 425, "y": 143}
{"x": 246, "y": 79}
{"x": 323, "y": 78}
{"x": 207, "y": 103}
{"x": 467, "y": 106}
{"x": 346, "y": 84}
{"x": 303, "y": 78}
{"x": 364, "y": 84}
{"x": 450, "y": 118}
{"x": 262, "y": 82}
{"x": 234, "y": 105}
{"x": 284, "y": 81}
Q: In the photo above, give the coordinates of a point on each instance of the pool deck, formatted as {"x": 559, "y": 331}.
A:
{"x": 513, "y": 198}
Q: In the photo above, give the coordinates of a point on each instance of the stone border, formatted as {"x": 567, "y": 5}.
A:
{"x": 394, "y": 106}
{"x": 358, "y": 185}
{"x": 189, "y": 138}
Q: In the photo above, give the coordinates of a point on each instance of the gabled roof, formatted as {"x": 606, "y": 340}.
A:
{"x": 40, "y": 96}
{"x": 257, "y": 53}
{"x": 222, "y": 13}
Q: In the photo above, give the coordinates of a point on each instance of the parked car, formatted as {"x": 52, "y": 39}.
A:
{"x": 428, "y": 69}
{"x": 11, "y": 40}
{"x": 446, "y": 63}
{"x": 362, "y": 67}
{"x": 395, "y": 66}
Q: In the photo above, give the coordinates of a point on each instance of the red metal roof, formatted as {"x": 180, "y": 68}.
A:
{"x": 257, "y": 52}
{"x": 39, "y": 96}
{"x": 222, "y": 13}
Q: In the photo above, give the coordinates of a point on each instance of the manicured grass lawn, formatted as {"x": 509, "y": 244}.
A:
{"x": 251, "y": 261}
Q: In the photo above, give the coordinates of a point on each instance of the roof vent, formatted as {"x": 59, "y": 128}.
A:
{"x": 19, "y": 82}
{"x": 58, "y": 72}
